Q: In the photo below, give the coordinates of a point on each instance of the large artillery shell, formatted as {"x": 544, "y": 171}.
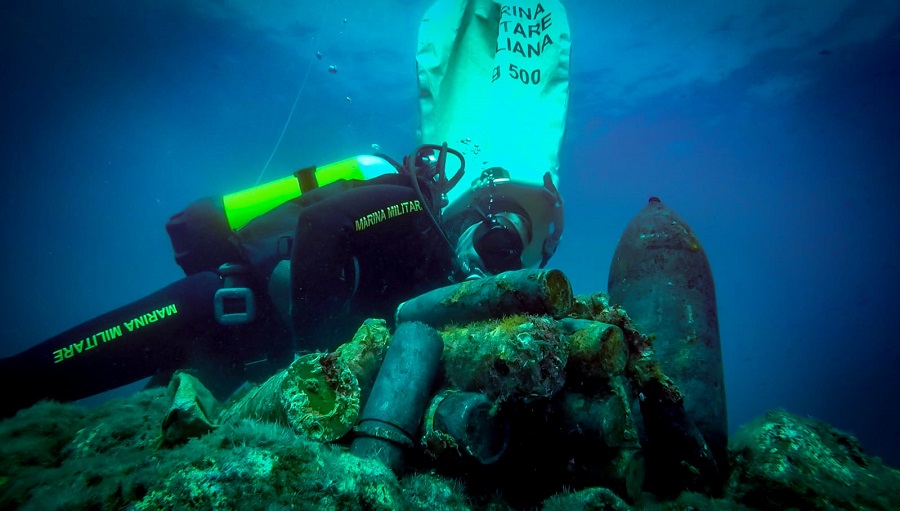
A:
{"x": 399, "y": 396}
{"x": 545, "y": 292}
{"x": 661, "y": 275}
{"x": 464, "y": 423}
{"x": 603, "y": 418}
{"x": 603, "y": 438}
{"x": 319, "y": 394}
{"x": 314, "y": 397}
{"x": 597, "y": 351}
{"x": 519, "y": 358}
{"x": 364, "y": 353}
{"x": 677, "y": 454}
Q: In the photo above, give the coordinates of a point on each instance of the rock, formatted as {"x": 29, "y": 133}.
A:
{"x": 784, "y": 461}
{"x": 588, "y": 499}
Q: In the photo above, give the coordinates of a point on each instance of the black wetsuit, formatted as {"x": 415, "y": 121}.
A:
{"x": 357, "y": 250}
{"x": 368, "y": 249}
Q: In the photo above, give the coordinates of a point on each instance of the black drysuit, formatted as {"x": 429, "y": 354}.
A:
{"x": 357, "y": 249}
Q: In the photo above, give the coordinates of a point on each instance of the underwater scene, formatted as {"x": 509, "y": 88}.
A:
{"x": 450, "y": 255}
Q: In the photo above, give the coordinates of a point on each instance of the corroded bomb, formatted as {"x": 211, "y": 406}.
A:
{"x": 393, "y": 412}
{"x": 596, "y": 350}
{"x": 518, "y": 358}
{"x": 661, "y": 275}
{"x": 514, "y": 292}
{"x": 464, "y": 423}
{"x": 319, "y": 395}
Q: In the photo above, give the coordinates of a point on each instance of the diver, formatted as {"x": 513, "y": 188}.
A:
{"x": 297, "y": 264}
{"x": 293, "y": 266}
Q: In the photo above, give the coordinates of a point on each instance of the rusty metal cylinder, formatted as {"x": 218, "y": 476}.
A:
{"x": 514, "y": 292}
{"x": 319, "y": 394}
{"x": 465, "y": 423}
{"x": 394, "y": 410}
{"x": 661, "y": 276}
{"x": 596, "y": 350}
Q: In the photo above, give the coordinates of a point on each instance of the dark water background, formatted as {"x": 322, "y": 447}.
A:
{"x": 772, "y": 129}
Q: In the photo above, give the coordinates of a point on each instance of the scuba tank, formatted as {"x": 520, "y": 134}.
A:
{"x": 201, "y": 233}
{"x": 242, "y": 207}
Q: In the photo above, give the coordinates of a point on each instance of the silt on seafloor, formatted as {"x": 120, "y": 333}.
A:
{"x": 661, "y": 276}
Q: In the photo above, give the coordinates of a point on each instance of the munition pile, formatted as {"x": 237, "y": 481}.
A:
{"x": 533, "y": 386}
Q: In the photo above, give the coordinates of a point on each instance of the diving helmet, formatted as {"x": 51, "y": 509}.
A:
{"x": 503, "y": 224}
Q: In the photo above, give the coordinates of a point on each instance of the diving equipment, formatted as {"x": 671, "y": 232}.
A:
{"x": 201, "y": 234}
{"x": 494, "y": 245}
{"x": 234, "y": 304}
{"x": 423, "y": 164}
{"x": 496, "y": 193}
{"x": 243, "y": 206}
